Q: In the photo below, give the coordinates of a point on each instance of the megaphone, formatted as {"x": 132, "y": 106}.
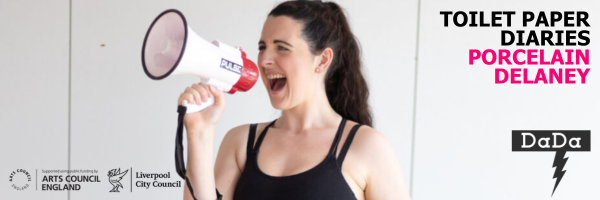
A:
{"x": 172, "y": 47}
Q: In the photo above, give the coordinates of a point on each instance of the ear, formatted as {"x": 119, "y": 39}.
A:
{"x": 325, "y": 60}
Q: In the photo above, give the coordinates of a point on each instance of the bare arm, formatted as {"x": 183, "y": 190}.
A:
{"x": 200, "y": 167}
{"x": 226, "y": 170}
{"x": 203, "y": 174}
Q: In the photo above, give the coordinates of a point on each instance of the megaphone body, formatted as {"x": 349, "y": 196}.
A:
{"x": 171, "y": 47}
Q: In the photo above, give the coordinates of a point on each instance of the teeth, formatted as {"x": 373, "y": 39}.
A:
{"x": 275, "y": 76}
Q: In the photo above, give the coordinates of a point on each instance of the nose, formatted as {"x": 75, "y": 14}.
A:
{"x": 265, "y": 59}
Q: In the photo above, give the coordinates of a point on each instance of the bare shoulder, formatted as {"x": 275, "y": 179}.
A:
{"x": 236, "y": 140}
{"x": 238, "y": 136}
{"x": 235, "y": 137}
{"x": 373, "y": 151}
{"x": 368, "y": 142}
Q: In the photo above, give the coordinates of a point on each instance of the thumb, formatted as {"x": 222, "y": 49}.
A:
{"x": 218, "y": 94}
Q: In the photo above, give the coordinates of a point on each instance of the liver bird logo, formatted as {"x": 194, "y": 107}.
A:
{"x": 114, "y": 177}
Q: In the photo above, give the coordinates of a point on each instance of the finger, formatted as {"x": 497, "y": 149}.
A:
{"x": 202, "y": 90}
{"x": 218, "y": 94}
{"x": 186, "y": 96}
{"x": 207, "y": 88}
{"x": 182, "y": 96}
{"x": 195, "y": 94}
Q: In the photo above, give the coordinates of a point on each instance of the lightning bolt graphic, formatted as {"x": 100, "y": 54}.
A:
{"x": 559, "y": 163}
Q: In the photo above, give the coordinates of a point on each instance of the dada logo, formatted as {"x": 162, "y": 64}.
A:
{"x": 557, "y": 141}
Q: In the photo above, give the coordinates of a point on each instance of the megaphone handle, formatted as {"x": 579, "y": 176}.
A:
{"x": 191, "y": 108}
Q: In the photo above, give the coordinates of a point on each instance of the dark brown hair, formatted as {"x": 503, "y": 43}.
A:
{"x": 325, "y": 25}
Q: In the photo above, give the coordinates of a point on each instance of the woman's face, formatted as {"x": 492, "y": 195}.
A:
{"x": 286, "y": 64}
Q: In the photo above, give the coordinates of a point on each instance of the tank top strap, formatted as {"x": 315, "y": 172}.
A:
{"x": 261, "y": 136}
{"x": 347, "y": 144}
{"x": 338, "y": 136}
{"x": 251, "y": 136}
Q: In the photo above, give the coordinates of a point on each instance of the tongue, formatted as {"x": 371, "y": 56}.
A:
{"x": 279, "y": 83}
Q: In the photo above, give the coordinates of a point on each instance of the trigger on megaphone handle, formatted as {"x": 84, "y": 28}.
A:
{"x": 191, "y": 108}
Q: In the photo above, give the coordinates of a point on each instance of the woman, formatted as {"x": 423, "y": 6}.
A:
{"x": 310, "y": 64}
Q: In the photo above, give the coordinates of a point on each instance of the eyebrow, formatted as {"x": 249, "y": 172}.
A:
{"x": 281, "y": 41}
{"x": 276, "y": 41}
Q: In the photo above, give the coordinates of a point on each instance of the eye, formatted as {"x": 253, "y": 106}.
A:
{"x": 282, "y": 48}
{"x": 260, "y": 48}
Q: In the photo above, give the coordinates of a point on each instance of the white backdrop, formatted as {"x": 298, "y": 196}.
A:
{"x": 122, "y": 119}
{"x": 464, "y": 120}
{"x": 34, "y": 91}
{"x": 70, "y": 73}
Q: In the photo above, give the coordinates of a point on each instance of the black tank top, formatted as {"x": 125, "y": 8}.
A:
{"x": 324, "y": 181}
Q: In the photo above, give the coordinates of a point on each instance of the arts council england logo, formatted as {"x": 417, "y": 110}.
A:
{"x": 20, "y": 179}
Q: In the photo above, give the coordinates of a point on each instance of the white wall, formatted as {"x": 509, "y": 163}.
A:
{"x": 464, "y": 120}
{"x": 34, "y": 85}
{"x": 119, "y": 118}
{"x": 122, "y": 119}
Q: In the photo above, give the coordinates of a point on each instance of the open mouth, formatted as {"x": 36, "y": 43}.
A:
{"x": 276, "y": 82}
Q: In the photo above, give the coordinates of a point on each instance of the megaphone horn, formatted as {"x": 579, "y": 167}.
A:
{"x": 172, "y": 47}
